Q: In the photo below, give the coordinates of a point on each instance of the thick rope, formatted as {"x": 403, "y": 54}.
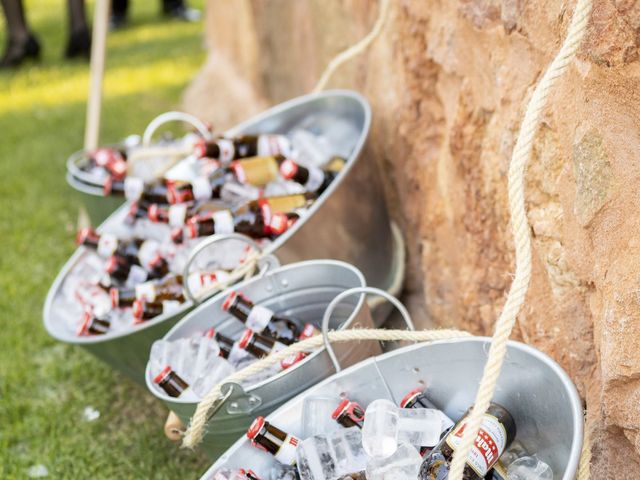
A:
{"x": 354, "y": 50}
{"x": 520, "y": 229}
{"x": 194, "y": 434}
{"x": 584, "y": 469}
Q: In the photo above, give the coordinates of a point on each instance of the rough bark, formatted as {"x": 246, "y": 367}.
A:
{"x": 448, "y": 83}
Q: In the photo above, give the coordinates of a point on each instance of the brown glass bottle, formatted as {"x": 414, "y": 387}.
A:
{"x": 201, "y": 189}
{"x": 122, "y": 296}
{"x": 261, "y": 319}
{"x": 171, "y": 382}
{"x": 271, "y": 439}
{"x": 137, "y": 210}
{"x": 281, "y": 203}
{"x": 92, "y": 325}
{"x": 349, "y": 414}
{"x": 227, "y": 149}
{"x": 496, "y": 434}
{"x": 258, "y": 345}
{"x": 257, "y": 171}
{"x": 313, "y": 179}
{"x": 167, "y": 288}
{"x": 143, "y": 310}
{"x": 225, "y": 343}
{"x": 135, "y": 189}
{"x": 209, "y": 223}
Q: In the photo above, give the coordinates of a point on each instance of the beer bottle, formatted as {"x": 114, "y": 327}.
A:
{"x": 209, "y": 223}
{"x": 122, "y": 270}
{"x": 92, "y": 325}
{"x": 496, "y": 433}
{"x": 227, "y": 149}
{"x": 143, "y": 310}
{"x": 335, "y": 164}
{"x": 259, "y": 345}
{"x": 173, "y": 215}
{"x": 134, "y": 189}
{"x": 271, "y": 439}
{"x": 261, "y": 319}
{"x": 122, "y": 296}
{"x": 281, "y": 203}
{"x": 225, "y": 343}
{"x": 173, "y": 384}
{"x": 137, "y": 210}
{"x": 349, "y": 414}
{"x": 309, "y": 330}
{"x": 112, "y": 160}
{"x": 257, "y": 171}
{"x": 168, "y": 288}
{"x": 199, "y": 189}
{"x": 313, "y": 179}
{"x": 107, "y": 244}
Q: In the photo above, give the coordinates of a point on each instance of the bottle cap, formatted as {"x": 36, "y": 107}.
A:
{"x": 292, "y": 359}
{"x": 308, "y": 331}
{"x": 288, "y": 169}
{"x": 156, "y": 262}
{"x": 102, "y": 156}
{"x": 229, "y": 300}
{"x": 138, "y": 309}
{"x": 348, "y": 407}
{"x": 255, "y": 428}
{"x": 172, "y": 194}
{"x": 163, "y": 374}
{"x": 115, "y": 296}
{"x": 112, "y": 264}
{"x": 279, "y": 223}
{"x": 83, "y": 234}
{"x": 410, "y": 396}
{"x": 246, "y": 338}
{"x": 239, "y": 172}
{"x": 192, "y": 228}
{"x": 200, "y": 148}
{"x": 83, "y": 329}
{"x": 211, "y": 333}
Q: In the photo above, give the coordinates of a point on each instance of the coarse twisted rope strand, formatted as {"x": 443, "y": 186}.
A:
{"x": 354, "y": 50}
{"x": 584, "y": 469}
{"x": 194, "y": 434}
{"x": 520, "y": 228}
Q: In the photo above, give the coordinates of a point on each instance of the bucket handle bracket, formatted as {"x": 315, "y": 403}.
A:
{"x": 238, "y": 401}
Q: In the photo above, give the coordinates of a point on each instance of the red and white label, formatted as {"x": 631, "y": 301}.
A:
{"x": 177, "y": 215}
{"x": 287, "y": 452}
{"x": 107, "y": 245}
{"x": 488, "y": 446}
{"x": 259, "y": 317}
{"x": 146, "y": 291}
{"x": 223, "y": 222}
{"x": 227, "y": 150}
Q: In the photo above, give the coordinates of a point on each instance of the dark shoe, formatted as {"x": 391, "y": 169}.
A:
{"x": 17, "y": 52}
{"x": 183, "y": 13}
{"x": 79, "y": 44}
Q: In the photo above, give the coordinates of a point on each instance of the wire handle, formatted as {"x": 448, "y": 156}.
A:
{"x": 174, "y": 117}
{"x": 268, "y": 261}
{"x": 347, "y": 293}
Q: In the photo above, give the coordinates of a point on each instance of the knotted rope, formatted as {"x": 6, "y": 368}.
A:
{"x": 520, "y": 229}
{"x": 354, "y": 50}
{"x": 194, "y": 434}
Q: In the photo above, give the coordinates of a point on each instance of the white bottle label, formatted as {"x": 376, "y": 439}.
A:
{"x": 177, "y": 215}
{"x": 287, "y": 452}
{"x": 137, "y": 275}
{"x": 259, "y": 318}
{"x": 147, "y": 291}
{"x": 223, "y": 222}
{"x": 201, "y": 188}
{"x": 316, "y": 177}
{"x": 488, "y": 446}
{"x": 107, "y": 245}
{"x": 170, "y": 306}
{"x": 133, "y": 188}
{"x": 227, "y": 150}
{"x": 148, "y": 251}
{"x": 270, "y": 145}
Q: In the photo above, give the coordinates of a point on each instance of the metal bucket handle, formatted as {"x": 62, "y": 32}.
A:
{"x": 352, "y": 291}
{"x": 174, "y": 117}
{"x": 265, "y": 262}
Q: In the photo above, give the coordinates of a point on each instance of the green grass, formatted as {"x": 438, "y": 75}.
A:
{"x": 45, "y": 385}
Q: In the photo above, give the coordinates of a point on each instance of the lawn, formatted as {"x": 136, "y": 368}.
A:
{"x": 44, "y": 385}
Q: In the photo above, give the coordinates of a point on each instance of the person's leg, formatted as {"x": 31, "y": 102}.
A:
{"x": 119, "y": 10}
{"x": 21, "y": 43}
{"x": 79, "y": 43}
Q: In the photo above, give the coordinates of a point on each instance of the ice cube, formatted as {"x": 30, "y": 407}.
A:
{"x": 310, "y": 150}
{"x": 160, "y": 356}
{"x": 329, "y": 457}
{"x": 529, "y": 468}
{"x": 403, "y": 464}
{"x": 419, "y": 426}
{"x": 182, "y": 357}
{"x": 280, "y": 471}
{"x": 514, "y": 452}
{"x": 282, "y": 187}
{"x": 215, "y": 371}
{"x": 316, "y": 415}
{"x": 380, "y": 429}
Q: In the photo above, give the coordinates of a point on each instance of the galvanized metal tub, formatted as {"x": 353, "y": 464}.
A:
{"x": 127, "y": 351}
{"x": 301, "y": 290}
{"x": 534, "y": 388}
